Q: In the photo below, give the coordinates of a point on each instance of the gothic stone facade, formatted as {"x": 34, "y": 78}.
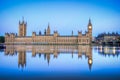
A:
{"x": 48, "y": 38}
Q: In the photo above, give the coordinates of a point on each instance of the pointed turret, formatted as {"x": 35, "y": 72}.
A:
{"x": 40, "y": 33}
{"x": 72, "y": 32}
{"x": 22, "y": 20}
{"x": 48, "y": 29}
{"x": 45, "y": 32}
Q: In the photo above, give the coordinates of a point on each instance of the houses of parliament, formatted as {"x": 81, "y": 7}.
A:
{"x": 47, "y": 37}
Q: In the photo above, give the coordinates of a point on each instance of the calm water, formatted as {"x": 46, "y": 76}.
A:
{"x": 59, "y": 62}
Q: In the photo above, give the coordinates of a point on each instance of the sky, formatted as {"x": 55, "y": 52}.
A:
{"x": 62, "y": 15}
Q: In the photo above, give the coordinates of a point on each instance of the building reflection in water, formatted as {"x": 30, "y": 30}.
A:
{"x": 48, "y": 50}
{"x": 21, "y": 59}
{"x": 108, "y": 50}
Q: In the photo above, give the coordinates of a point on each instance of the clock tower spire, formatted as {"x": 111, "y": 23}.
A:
{"x": 90, "y": 29}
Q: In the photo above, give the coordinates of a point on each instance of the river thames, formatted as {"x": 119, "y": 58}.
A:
{"x": 59, "y": 62}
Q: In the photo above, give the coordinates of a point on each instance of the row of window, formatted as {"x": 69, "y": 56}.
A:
{"x": 83, "y": 40}
{"x": 63, "y": 40}
{"x": 49, "y": 40}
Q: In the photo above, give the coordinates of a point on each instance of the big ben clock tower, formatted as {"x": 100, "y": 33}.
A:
{"x": 90, "y": 30}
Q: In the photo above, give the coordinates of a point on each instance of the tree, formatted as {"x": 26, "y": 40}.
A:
{"x": 2, "y": 39}
{"x": 118, "y": 38}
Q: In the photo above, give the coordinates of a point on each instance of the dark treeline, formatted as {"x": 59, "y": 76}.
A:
{"x": 2, "y": 39}
{"x": 108, "y": 34}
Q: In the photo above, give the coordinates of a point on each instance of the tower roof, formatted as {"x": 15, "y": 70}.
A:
{"x": 89, "y": 24}
{"x": 48, "y": 26}
{"x": 22, "y": 22}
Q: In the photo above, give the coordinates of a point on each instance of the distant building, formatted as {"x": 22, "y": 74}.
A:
{"x": 107, "y": 37}
{"x": 47, "y": 37}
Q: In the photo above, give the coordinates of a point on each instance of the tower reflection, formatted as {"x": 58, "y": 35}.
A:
{"x": 21, "y": 59}
{"x": 48, "y": 50}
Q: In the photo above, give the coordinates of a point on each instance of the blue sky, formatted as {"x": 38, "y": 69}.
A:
{"x": 62, "y": 15}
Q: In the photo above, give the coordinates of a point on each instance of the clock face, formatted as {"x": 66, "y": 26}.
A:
{"x": 90, "y": 27}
